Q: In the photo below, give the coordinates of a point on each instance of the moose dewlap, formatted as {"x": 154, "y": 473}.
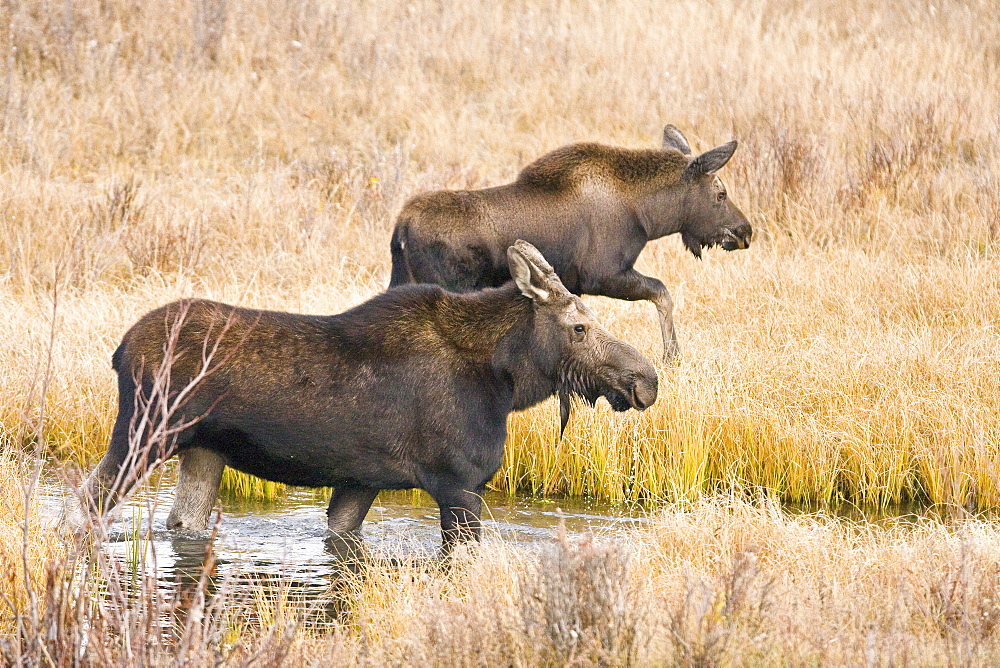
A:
{"x": 411, "y": 389}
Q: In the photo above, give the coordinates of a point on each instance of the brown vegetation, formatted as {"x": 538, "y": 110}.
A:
{"x": 258, "y": 154}
{"x": 719, "y": 582}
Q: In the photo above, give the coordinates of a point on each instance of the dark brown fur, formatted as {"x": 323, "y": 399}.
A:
{"x": 640, "y": 170}
{"x": 410, "y": 389}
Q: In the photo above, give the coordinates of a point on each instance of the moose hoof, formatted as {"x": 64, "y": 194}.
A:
{"x": 672, "y": 358}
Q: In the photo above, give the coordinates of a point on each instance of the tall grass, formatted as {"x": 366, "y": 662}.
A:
{"x": 258, "y": 154}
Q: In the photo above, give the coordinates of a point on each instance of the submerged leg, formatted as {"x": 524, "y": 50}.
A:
{"x": 460, "y": 512}
{"x": 197, "y": 489}
{"x": 632, "y": 285}
{"x": 101, "y": 492}
{"x": 348, "y": 507}
{"x": 114, "y": 476}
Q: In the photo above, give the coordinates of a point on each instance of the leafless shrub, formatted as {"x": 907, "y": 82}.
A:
{"x": 962, "y": 599}
{"x": 119, "y": 207}
{"x": 912, "y": 140}
{"x": 991, "y": 206}
{"x": 371, "y": 187}
{"x": 579, "y": 607}
{"x": 326, "y": 176}
{"x": 714, "y": 614}
{"x": 91, "y": 607}
{"x": 797, "y": 160}
{"x": 94, "y": 247}
{"x": 162, "y": 247}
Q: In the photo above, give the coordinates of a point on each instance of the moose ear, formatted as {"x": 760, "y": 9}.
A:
{"x": 532, "y": 274}
{"x": 673, "y": 138}
{"x": 711, "y": 161}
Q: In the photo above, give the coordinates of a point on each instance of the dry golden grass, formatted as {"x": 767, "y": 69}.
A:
{"x": 25, "y": 538}
{"x": 719, "y": 582}
{"x": 259, "y": 154}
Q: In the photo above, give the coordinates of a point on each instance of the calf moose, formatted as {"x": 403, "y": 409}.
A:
{"x": 590, "y": 210}
{"x": 410, "y": 389}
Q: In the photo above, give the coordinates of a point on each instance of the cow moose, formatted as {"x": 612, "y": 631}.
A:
{"x": 410, "y": 389}
{"x": 590, "y": 209}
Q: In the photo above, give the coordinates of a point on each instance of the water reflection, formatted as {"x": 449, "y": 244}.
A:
{"x": 282, "y": 550}
{"x": 884, "y": 516}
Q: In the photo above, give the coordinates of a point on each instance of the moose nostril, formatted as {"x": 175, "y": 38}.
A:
{"x": 644, "y": 394}
{"x": 741, "y": 236}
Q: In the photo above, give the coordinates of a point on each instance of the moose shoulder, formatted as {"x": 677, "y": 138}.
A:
{"x": 590, "y": 209}
{"x": 410, "y": 389}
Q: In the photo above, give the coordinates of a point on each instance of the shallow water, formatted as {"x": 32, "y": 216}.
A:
{"x": 285, "y": 541}
{"x": 283, "y": 545}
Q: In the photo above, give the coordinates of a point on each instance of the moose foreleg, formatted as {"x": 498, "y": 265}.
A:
{"x": 348, "y": 507}
{"x": 665, "y": 311}
{"x": 100, "y": 493}
{"x": 197, "y": 489}
{"x": 460, "y": 512}
{"x": 633, "y": 286}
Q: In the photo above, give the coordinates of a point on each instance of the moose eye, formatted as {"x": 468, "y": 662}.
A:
{"x": 721, "y": 196}
{"x": 579, "y": 329}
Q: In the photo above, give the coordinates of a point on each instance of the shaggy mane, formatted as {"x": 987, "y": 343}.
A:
{"x": 638, "y": 168}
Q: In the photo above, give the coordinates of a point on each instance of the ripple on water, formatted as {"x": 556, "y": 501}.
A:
{"x": 285, "y": 541}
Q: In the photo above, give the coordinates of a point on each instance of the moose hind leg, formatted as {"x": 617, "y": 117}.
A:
{"x": 113, "y": 477}
{"x": 348, "y": 507}
{"x": 197, "y": 489}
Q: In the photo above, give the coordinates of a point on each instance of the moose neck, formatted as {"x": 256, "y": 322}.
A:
{"x": 662, "y": 212}
{"x": 495, "y": 327}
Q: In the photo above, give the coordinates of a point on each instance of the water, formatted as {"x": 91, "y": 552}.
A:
{"x": 285, "y": 542}
{"x": 283, "y": 545}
